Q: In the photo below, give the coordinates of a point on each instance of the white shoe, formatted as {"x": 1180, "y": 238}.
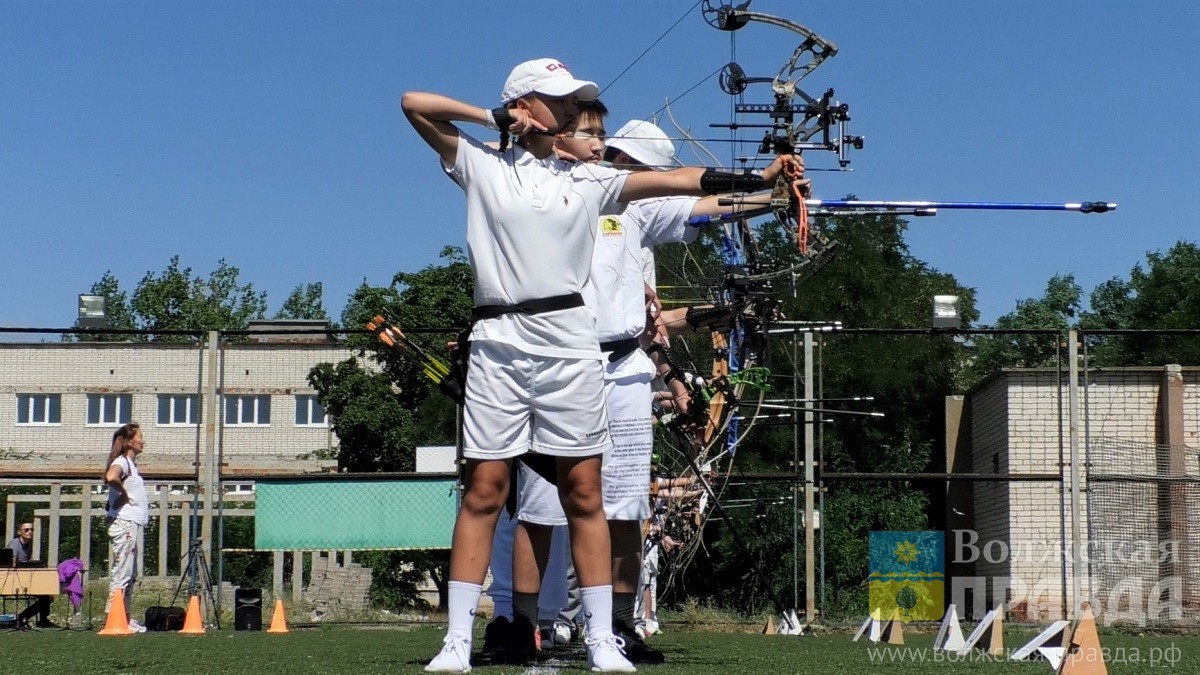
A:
{"x": 652, "y": 627}
{"x": 136, "y": 627}
{"x": 455, "y": 656}
{"x": 562, "y": 634}
{"x": 607, "y": 655}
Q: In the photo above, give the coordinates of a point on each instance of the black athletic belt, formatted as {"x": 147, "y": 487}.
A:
{"x": 619, "y": 349}
{"x": 535, "y": 306}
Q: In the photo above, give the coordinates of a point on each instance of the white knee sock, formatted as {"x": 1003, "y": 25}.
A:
{"x": 462, "y": 601}
{"x": 597, "y": 611}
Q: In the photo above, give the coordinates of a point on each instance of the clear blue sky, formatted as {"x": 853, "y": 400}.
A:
{"x": 269, "y": 133}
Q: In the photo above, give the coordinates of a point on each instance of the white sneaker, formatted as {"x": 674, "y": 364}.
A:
{"x": 136, "y": 627}
{"x": 607, "y": 655}
{"x": 455, "y": 656}
{"x": 652, "y": 627}
{"x": 561, "y": 634}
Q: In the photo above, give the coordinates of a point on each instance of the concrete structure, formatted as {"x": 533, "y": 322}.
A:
{"x": 1009, "y": 541}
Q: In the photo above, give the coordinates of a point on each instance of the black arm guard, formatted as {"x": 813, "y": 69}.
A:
{"x": 714, "y": 182}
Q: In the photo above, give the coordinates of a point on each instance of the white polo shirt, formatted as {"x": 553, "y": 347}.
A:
{"x": 531, "y": 234}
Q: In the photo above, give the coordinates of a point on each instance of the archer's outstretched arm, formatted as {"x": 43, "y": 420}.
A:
{"x": 711, "y": 206}
{"x": 687, "y": 182}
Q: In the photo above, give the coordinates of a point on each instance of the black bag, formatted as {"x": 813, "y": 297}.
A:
{"x": 164, "y": 618}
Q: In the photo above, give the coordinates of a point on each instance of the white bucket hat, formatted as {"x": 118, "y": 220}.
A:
{"x": 546, "y": 76}
{"x": 646, "y": 143}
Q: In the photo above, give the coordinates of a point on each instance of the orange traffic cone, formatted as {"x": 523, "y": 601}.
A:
{"x": 278, "y": 619}
{"x": 117, "y": 622}
{"x": 193, "y": 623}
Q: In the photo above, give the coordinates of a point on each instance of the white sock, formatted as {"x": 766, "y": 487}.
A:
{"x": 463, "y": 600}
{"x": 597, "y": 611}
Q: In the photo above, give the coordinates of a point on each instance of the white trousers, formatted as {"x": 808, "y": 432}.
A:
{"x": 123, "y": 538}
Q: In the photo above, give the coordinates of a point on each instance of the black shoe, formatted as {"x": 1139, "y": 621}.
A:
{"x": 46, "y": 623}
{"x": 521, "y": 645}
{"x": 636, "y": 649}
{"x": 494, "y": 637}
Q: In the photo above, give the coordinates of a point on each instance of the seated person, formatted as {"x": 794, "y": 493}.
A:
{"x": 22, "y": 548}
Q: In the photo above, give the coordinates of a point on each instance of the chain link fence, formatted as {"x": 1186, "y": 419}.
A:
{"x": 995, "y": 478}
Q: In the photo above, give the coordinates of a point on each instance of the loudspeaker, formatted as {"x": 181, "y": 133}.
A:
{"x": 247, "y": 609}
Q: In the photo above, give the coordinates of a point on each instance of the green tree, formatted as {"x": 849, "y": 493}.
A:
{"x": 1164, "y": 293}
{"x": 175, "y": 300}
{"x": 304, "y": 302}
{"x": 1057, "y": 309}
{"x": 375, "y": 431}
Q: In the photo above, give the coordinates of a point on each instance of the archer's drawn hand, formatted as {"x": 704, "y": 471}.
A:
{"x": 681, "y": 398}
{"x": 523, "y": 122}
{"x": 653, "y": 303}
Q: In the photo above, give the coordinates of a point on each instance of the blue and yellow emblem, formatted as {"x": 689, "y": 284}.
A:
{"x": 610, "y": 226}
{"x": 908, "y": 575}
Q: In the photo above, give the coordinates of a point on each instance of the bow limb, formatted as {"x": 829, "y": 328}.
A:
{"x": 729, "y": 18}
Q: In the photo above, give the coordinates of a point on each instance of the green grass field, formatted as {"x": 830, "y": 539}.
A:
{"x": 398, "y": 650}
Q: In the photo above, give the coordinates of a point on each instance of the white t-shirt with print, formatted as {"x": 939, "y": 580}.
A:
{"x": 616, "y": 290}
{"x": 531, "y": 234}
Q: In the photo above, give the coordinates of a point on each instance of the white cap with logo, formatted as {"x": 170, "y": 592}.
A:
{"x": 646, "y": 143}
{"x": 546, "y": 76}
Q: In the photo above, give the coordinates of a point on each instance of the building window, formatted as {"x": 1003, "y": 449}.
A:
{"x": 39, "y": 409}
{"x": 310, "y": 412}
{"x": 108, "y": 409}
{"x": 248, "y": 411}
{"x": 178, "y": 409}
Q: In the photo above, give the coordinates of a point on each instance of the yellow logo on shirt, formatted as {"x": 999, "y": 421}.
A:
{"x": 610, "y": 226}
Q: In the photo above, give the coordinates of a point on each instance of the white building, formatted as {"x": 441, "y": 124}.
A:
{"x": 1140, "y": 429}
{"x": 60, "y": 403}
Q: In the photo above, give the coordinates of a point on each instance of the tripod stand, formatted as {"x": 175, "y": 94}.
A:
{"x": 195, "y": 571}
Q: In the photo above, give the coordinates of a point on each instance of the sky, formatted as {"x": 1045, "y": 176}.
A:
{"x": 269, "y": 134}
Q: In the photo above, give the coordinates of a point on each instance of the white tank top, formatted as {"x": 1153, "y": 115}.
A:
{"x": 137, "y": 509}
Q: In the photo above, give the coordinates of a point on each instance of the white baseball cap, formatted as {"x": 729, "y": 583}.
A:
{"x": 646, "y": 143}
{"x": 546, "y": 76}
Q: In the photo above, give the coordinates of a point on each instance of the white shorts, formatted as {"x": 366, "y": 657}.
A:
{"x": 518, "y": 402}
{"x": 626, "y": 469}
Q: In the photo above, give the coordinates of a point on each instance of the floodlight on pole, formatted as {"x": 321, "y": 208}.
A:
{"x": 93, "y": 311}
{"x": 947, "y": 312}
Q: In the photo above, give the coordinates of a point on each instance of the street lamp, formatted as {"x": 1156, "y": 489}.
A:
{"x": 946, "y": 312}
{"x": 93, "y": 312}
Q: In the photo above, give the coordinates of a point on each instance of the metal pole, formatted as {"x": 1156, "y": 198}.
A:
{"x": 207, "y": 467}
{"x": 795, "y": 493}
{"x": 1076, "y": 514}
{"x": 810, "y": 576}
{"x": 821, "y": 460}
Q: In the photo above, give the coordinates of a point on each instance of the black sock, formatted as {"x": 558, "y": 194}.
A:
{"x": 526, "y": 605}
{"x": 623, "y": 609}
